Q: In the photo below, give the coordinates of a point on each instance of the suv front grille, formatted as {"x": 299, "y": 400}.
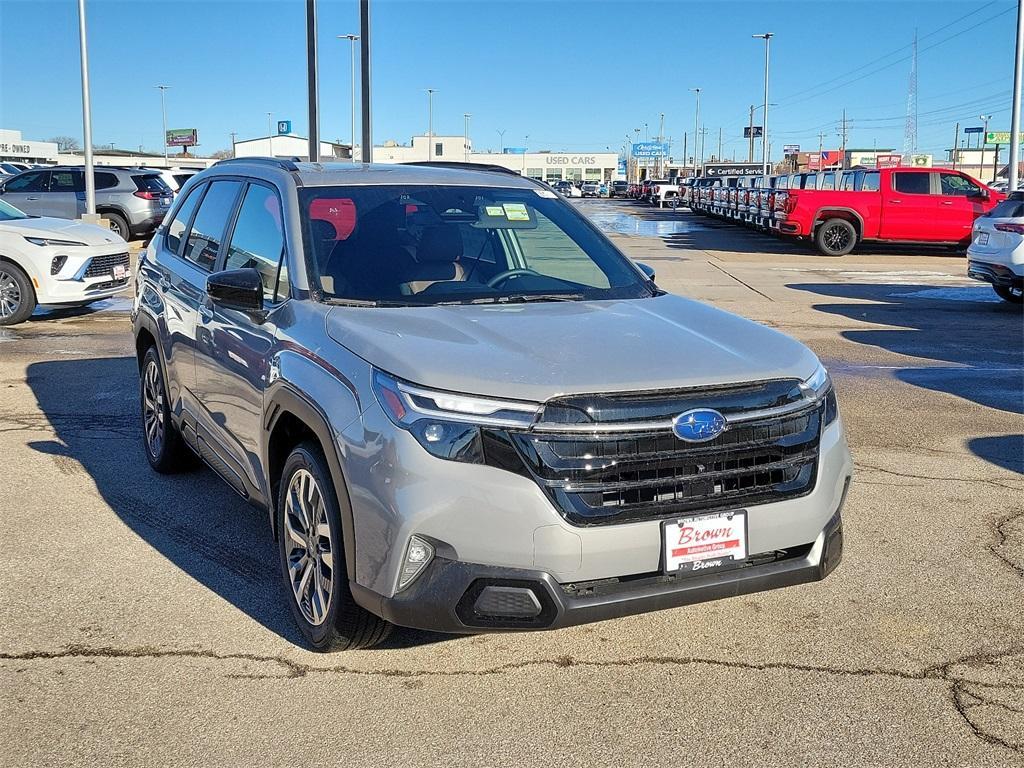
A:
{"x": 104, "y": 265}
{"x": 611, "y": 476}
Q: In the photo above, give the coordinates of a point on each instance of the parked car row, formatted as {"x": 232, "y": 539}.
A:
{"x": 662, "y": 193}
{"x": 838, "y": 209}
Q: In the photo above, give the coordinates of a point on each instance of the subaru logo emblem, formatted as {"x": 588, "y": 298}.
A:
{"x": 699, "y": 425}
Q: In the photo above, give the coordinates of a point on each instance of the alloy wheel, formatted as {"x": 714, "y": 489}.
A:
{"x": 10, "y": 294}
{"x": 836, "y": 238}
{"x": 153, "y": 408}
{"x": 309, "y": 548}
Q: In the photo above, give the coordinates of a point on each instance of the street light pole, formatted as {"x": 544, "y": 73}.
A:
{"x": 501, "y": 139}
{"x": 430, "y": 124}
{"x": 1015, "y": 111}
{"x": 352, "y": 47}
{"x": 90, "y": 181}
{"x": 312, "y": 83}
{"x": 270, "y": 132}
{"x": 465, "y": 135}
{"x": 984, "y": 131}
{"x": 163, "y": 111}
{"x": 366, "y": 153}
{"x": 767, "y": 37}
{"x": 696, "y": 133}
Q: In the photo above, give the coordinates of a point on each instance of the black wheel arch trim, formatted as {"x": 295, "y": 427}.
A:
{"x": 819, "y": 218}
{"x": 285, "y": 398}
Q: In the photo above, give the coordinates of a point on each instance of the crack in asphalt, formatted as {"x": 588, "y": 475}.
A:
{"x": 97, "y": 426}
{"x": 963, "y": 694}
{"x": 1003, "y": 539}
{"x": 911, "y": 476}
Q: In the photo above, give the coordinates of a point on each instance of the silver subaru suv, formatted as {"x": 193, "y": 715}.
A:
{"x": 464, "y": 410}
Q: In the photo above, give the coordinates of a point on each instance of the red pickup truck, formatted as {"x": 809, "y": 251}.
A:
{"x": 908, "y": 205}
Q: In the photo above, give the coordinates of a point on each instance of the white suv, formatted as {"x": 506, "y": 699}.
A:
{"x": 996, "y": 253}
{"x": 56, "y": 261}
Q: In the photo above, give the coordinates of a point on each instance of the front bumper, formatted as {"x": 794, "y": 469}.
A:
{"x": 457, "y": 597}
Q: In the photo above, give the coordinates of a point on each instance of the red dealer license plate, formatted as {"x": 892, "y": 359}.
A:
{"x": 711, "y": 541}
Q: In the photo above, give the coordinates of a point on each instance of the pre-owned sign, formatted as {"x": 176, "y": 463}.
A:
{"x": 733, "y": 169}
{"x": 650, "y": 149}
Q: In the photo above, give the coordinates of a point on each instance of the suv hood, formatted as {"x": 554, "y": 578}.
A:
{"x": 538, "y": 351}
{"x": 60, "y": 229}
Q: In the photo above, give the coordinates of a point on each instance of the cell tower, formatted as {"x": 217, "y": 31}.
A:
{"x": 910, "y": 130}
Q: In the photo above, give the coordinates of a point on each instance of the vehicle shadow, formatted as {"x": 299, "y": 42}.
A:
{"x": 1005, "y": 451}
{"x": 974, "y": 336}
{"x": 193, "y": 519}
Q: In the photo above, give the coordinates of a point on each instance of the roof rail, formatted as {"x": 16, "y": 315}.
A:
{"x": 465, "y": 166}
{"x": 288, "y": 165}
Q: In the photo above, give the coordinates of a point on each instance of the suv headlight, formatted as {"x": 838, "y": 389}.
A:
{"x": 448, "y": 424}
{"x": 45, "y": 241}
{"x": 819, "y": 385}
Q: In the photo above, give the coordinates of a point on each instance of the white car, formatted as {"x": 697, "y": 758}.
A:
{"x": 56, "y": 261}
{"x": 996, "y": 253}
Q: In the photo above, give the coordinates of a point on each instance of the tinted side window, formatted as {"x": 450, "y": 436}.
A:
{"x": 258, "y": 238}
{"x": 828, "y": 181}
{"x": 847, "y": 182}
{"x": 28, "y": 182}
{"x": 869, "y": 182}
{"x": 178, "y": 225}
{"x": 211, "y": 220}
{"x": 955, "y": 184}
{"x": 67, "y": 181}
{"x": 811, "y": 181}
{"x": 912, "y": 183}
{"x": 105, "y": 180}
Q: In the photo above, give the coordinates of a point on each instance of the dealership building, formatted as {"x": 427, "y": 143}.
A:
{"x": 14, "y": 148}
{"x": 547, "y": 165}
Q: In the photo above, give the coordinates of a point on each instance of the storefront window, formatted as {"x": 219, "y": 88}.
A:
{"x": 593, "y": 174}
{"x": 535, "y": 173}
{"x": 574, "y": 174}
{"x": 553, "y": 174}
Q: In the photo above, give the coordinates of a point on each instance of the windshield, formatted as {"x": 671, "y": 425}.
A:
{"x": 9, "y": 213}
{"x": 439, "y": 244}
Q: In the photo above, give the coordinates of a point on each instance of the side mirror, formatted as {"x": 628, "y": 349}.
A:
{"x": 647, "y": 270}
{"x": 240, "y": 289}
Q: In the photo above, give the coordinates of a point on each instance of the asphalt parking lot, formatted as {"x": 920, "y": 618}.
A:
{"x": 142, "y": 621}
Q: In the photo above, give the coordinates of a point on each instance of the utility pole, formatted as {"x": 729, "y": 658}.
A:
{"x": 685, "y": 135}
{"x": 696, "y": 132}
{"x": 750, "y": 149}
{"x": 765, "y": 153}
{"x": 661, "y": 140}
{"x": 984, "y": 132}
{"x": 352, "y": 50}
{"x": 312, "y": 83}
{"x": 719, "y": 143}
{"x": 501, "y": 138}
{"x": 163, "y": 112}
{"x": 364, "y": 70}
{"x": 1015, "y": 111}
{"x": 90, "y": 179}
{"x": 821, "y": 148}
{"x": 233, "y": 134}
{"x": 843, "y": 133}
{"x": 465, "y": 135}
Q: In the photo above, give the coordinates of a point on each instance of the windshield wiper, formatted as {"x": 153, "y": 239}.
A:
{"x": 526, "y": 297}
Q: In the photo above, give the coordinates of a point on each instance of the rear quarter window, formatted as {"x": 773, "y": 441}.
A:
{"x": 151, "y": 183}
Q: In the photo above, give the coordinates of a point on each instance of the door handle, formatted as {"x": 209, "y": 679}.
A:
{"x": 31, "y": 198}
{"x": 895, "y": 202}
{"x": 947, "y": 202}
{"x": 206, "y": 313}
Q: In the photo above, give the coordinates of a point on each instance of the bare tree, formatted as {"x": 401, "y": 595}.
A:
{"x": 223, "y": 154}
{"x": 66, "y": 143}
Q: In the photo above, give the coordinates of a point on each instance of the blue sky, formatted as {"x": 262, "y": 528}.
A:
{"x": 571, "y": 75}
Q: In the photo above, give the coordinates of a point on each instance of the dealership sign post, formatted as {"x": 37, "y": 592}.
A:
{"x": 182, "y": 137}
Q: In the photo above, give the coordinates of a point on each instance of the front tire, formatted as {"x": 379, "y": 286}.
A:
{"x": 165, "y": 450}
{"x": 118, "y": 225}
{"x": 835, "y": 237}
{"x": 312, "y": 555}
{"x": 17, "y": 297}
{"x": 1008, "y": 293}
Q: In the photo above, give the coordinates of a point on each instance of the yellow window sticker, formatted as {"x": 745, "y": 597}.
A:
{"x": 516, "y": 212}
{"x": 494, "y": 210}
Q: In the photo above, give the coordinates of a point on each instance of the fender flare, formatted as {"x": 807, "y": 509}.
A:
{"x": 819, "y": 219}
{"x": 285, "y": 398}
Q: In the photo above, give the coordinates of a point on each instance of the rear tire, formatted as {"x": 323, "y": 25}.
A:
{"x": 835, "y": 237}
{"x": 1006, "y": 293}
{"x": 308, "y": 521}
{"x": 17, "y": 297}
{"x": 165, "y": 450}
{"x": 118, "y": 225}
